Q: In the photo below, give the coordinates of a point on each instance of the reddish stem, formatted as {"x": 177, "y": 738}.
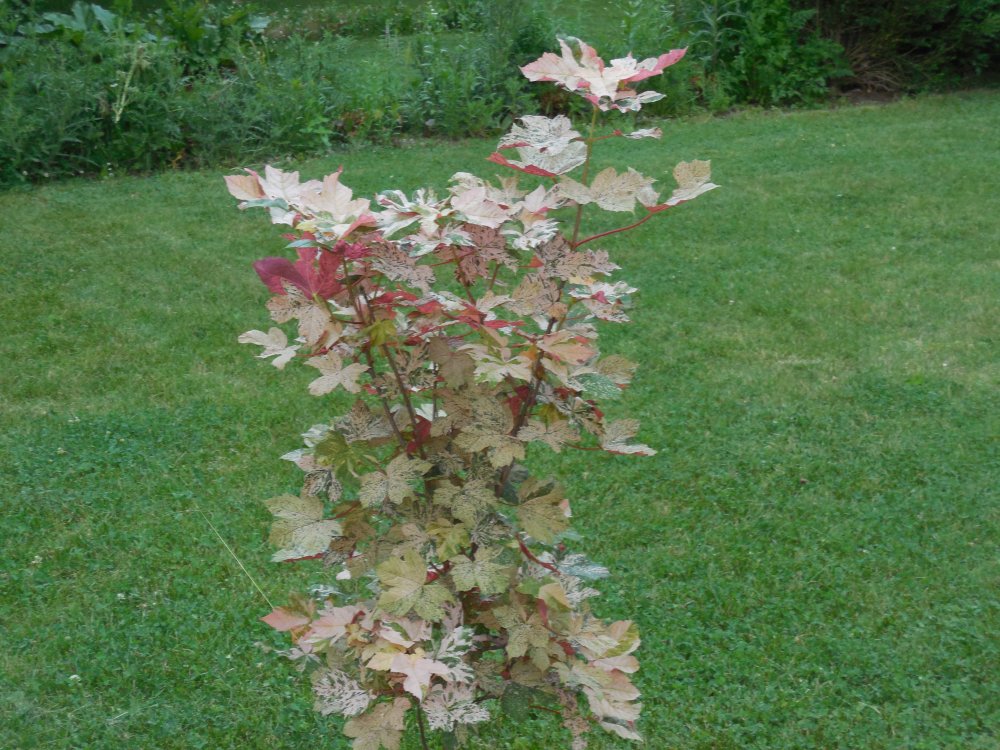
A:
{"x": 531, "y": 556}
{"x": 643, "y": 220}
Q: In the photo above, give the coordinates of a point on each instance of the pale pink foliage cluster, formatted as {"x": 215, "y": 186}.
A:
{"x": 465, "y": 326}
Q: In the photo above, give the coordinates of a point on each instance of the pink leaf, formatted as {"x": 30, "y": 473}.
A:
{"x": 284, "y": 619}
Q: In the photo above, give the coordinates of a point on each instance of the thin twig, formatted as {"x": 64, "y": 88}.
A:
{"x": 230, "y": 550}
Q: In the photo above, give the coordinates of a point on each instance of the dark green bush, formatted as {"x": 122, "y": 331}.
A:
{"x": 912, "y": 43}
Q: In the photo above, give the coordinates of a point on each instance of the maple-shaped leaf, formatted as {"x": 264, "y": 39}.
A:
{"x": 393, "y": 484}
{"x": 284, "y": 185}
{"x": 494, "y": 366}
{"x": 339, "y": 693}
{"x": 299, "y": 529}
{"x": 451, "y": 704}
{"x": 579, "y": 265}
{"x": 542, "y": 163}
{"x": 526, "y": 634}
{"x": 335, "y": 374}
{"x": 469, "y": 502}
{"x": 477, "y": 208}
{"x": 405, "y": 588}
{"x": 334, "y": 201}
{"x": 555, "y": 434}
{"x": 331, "y": 625}
{"x": 245, "y": 187}
{"x": 322, "y": 482}
{"x": 596, "y": 386}
{"x": 381, "y": 728}
{"x": 400, "y": 212}
{"x": 275, "y": 344}
{"x": 316, "y": 325}
{"x": 545, "y": 134}
{"x": 490, "y": 245}
{"x": 489, "y": 431}
{"x": 454, "y": 366}
{"x": 544, "y": 510}
{"x": 601, "y": 83}
{"x": 693, "y": 179}
{"x": 284, "y": 619}
{"x": 482, "y": 572}
{"x": 610, "y": 190}
{"x": 449, "y": 538}
{"x": 566, "y": 347}
{"x": 534, "y": 295}
{"x": 616, "y": 437}
{"x": 418, "y": 670}
{"x": 451, "y": 651}
{"x": 387, "y": 258}
{"x": 616, "y": 368}
{"x": 361, "y": 424}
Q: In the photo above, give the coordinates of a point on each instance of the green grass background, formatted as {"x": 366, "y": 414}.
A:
{"x": 812, "y": 557}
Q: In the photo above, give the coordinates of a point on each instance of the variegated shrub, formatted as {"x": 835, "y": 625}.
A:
{"x": 465, "y": 326}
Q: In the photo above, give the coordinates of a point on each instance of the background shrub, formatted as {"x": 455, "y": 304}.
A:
{"x": 86, "y": 90}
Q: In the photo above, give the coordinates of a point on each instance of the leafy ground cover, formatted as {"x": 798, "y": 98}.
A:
{"x": 812, "y": 556}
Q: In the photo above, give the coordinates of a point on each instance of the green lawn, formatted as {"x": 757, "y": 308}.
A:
{"x": 812, "y": 557}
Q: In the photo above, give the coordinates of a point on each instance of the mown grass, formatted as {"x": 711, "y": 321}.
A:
{"x": 812, "y": 557}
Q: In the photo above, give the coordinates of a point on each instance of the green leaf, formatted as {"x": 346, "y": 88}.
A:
{"x": 517, "y": 700}
{"x": 381, "y": 332}
{"x": 405, "y": 588}
{"x": 468, "y": 503}
{"x": 543, "y": 512}
{"x": 334, "y": 452}
{"x": 393, "y": 484}
{"x": 299, "y": 529}
{"x": 482, "y": 573}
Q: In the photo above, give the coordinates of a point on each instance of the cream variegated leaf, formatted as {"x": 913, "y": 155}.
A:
{"x": 388, "y": 259}
{"x": 544, "y": 510}
{"x": 526, "y": 635}
{"x": 556, "y": 434}
{"x": 482, "y": 572}
{"x": 449, "y": 705}
{"x": 275, "y": 344}
{"x": 617, "y": 435}
{"x": 335, "y": 374}
{"x": 395, "y": 483}
{"x": 469, "y": 503}
{"x": 361, "y": 424}
{"x": 557, "y": 163}
{"x": 616, "y": 368}
{"x": 244, "y": 187}
{"x": 299, "y": 529}
{"x": 456, "y": 367}
{"x": 405, "y": 588}
{"x": 381, "y": 728}
{"x": 490, "y": 245}
{"x": 316, "y": 326}
{"x": 610, "y": 190}
{"x": 544, "y": 134}
{"x": 693, "y": 179}
{"x": 418, "y": 670}
{"x": 338, "y": 693}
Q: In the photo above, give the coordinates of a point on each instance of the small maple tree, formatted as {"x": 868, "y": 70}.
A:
{"x": 465, "y": 325}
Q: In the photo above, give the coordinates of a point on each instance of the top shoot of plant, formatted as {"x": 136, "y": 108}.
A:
{"x": 464, "y": 326}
